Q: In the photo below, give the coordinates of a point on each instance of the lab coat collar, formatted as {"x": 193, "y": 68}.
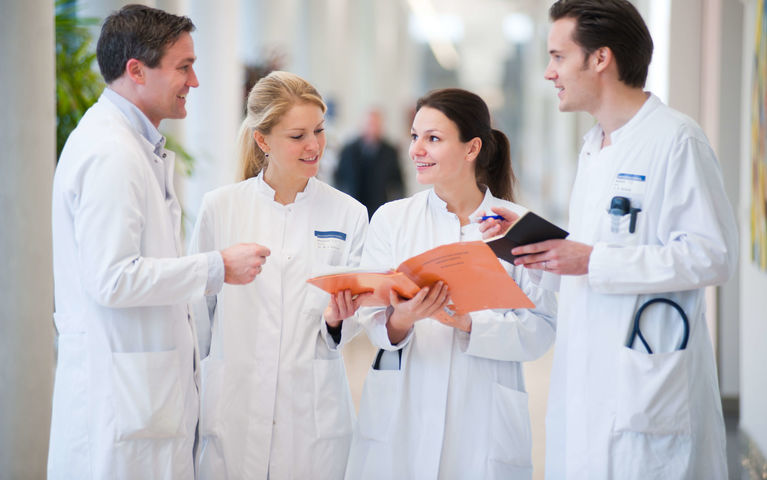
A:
{"x": 648, "y": 106}
{"x": 594, "y": 135}
{"x": 436, "y": 204}
{"x": 487, "y": 202}
{"x": 439, "y": 205}
{"x": 137, "y": 119}
{"x": 264, "y": 189}
{"x": 311, "y": 185}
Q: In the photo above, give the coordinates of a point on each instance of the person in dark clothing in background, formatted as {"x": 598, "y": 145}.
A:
{"x": 368, "y": 168}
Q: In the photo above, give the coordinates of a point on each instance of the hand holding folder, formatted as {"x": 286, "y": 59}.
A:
{"x": 475, "y": 278}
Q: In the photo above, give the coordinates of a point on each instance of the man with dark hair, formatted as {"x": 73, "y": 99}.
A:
{"x": 634, "y": 391}
{"x": 125, "y": 402}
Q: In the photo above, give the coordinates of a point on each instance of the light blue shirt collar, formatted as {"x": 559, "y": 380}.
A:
{"x": 137, "y": 119}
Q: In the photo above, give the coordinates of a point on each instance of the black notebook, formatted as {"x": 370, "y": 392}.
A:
{"x": 529, "y": 228}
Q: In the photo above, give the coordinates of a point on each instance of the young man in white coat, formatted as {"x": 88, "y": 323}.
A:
{"x": 125, "y": 401}
{"x": 649, "y": 219}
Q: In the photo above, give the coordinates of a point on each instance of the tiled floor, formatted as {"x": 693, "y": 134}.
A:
{"x": 744, "y": 460}
{"x": 733, "y": 449}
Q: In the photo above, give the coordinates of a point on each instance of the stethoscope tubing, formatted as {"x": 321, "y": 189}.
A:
{"x": 636, "y": 332}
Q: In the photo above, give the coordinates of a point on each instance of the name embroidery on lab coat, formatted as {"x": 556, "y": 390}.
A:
{"x": 329, "y": 239}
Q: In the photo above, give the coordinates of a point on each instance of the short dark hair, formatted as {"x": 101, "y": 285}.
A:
{"x": 140, "y": 32}
{"x": 610, "y": 23}
{"x": 470, "y": 114}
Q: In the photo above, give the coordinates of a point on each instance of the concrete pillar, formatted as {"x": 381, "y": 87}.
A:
{"x": 215, "y": 107}
{"x": 27, "y": 136}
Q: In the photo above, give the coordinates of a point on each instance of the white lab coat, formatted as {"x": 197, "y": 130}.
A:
{"x": 457, "y": 407}
{"x": 125, "y": 402}
{"x": 620, "y": 413}
{"x": 275, "y": 398}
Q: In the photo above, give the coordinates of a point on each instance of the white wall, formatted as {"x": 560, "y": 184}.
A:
{"x": 753, "y": 283}
{"x": 726, "y": 122}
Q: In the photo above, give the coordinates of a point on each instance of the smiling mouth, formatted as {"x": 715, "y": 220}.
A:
{"x": 310, "y": 160}
{"x": 424, "y": 164}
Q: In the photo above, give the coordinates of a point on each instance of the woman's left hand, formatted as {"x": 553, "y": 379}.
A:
{"x": 460, "y": 321}
{"x": 342, "y": 305}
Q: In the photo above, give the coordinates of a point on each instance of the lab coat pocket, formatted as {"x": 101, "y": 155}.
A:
{"x": 623, "y": 237}
{"x": 333, "y": 415}
{"x": 147, "y": 395}
{"x": 379, "y": 403}
{"x": 653, "y": 392}
{"x": 651, "y": 437}
{"x": 510, "y": 434}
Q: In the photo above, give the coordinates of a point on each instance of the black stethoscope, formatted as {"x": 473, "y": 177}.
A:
{"x": 638, "y": 333}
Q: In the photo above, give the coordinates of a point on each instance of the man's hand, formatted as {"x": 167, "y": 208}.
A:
{"x": 563, "y": 257}
{"x": 242, "y": 262}
{"x": 342, "y": 305}
{"x": 492, "y": 227}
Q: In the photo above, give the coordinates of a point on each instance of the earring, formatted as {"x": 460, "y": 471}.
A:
{"x": 266, "y": 154}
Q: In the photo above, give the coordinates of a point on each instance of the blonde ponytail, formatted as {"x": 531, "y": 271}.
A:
{"x": 251, "y": 159}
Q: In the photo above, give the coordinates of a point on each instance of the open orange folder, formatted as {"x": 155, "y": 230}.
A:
{"x": 474, "y": 275}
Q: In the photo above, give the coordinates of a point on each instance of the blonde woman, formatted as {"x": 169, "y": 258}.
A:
{"x": 275, "y": 400}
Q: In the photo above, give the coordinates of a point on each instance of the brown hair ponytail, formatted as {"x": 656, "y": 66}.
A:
{"x": 472, "y": 117}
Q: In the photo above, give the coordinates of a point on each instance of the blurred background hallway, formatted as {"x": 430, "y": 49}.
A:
{"x": 364, "y": 54}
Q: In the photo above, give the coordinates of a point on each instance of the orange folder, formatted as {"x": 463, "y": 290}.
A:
{"x": 475, "y": 278}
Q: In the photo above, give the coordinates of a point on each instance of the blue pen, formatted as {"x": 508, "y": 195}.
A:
{"x": 488, "y": 217}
